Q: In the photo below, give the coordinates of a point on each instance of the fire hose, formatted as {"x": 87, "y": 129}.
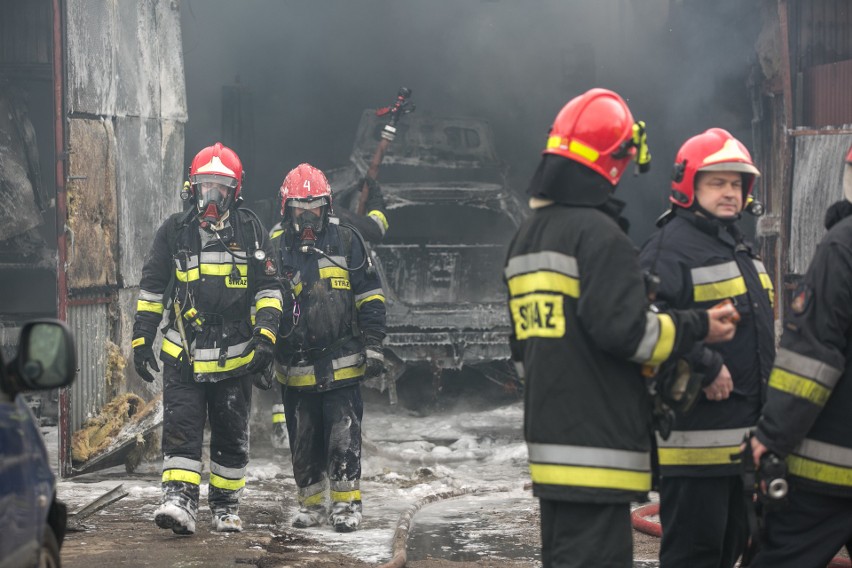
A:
{"x": 640, "y": 521}
{"x": 403, "y": 525}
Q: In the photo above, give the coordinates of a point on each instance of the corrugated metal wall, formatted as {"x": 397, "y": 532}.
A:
{"x": 91, "y": 327}
{"x": 827, "y": 94}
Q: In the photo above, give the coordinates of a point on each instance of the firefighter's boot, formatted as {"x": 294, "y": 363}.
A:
{"x": 345, "y": 516}
{"x": 225, "y": 509}
{"x": 179, "y": 508}
{"x": 310, "y": 516}
{"x": 279, "y": 428}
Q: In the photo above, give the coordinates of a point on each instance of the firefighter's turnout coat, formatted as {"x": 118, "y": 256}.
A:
{"x": 806, "y": 416}
{"x": 700, "y": 262}
{"x": 224, "y": 297}
{"x": 331, "y": 301}
{"x": 581, "y": 329}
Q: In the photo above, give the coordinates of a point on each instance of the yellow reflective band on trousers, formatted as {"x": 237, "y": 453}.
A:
{"x": 544, "y": 281}
{"x": 311, "y": 379}
{"x": 225, "y": 483}
{"x": 146, "y": 306}
{"x": 720, "y": 290}
{"x": 585, "y": 476}
{"x": 698, "y": 456}
{"x": 273, "y": 303}
{"x": 345, "y": 496}
{"x": 182, "y": 475}
{"x": 315, "y": 499}
{"x": 278, "y": 418}
{"x": 799, "y": 386}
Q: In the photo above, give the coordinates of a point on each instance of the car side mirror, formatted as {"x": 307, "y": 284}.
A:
{"x": 46, "y": 358}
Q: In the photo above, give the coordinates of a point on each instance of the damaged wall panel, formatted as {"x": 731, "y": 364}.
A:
{"x": 89, "y": 391}
{"x": 137, "y": 70}
{"x": 91, "y": 204}
{"x": 92, "y": 38}
{"x": 172, "y": 83}
{"x": 817, "y": 183}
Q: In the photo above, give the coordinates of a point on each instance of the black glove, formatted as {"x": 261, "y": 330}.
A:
{"x": 262, "y": 347}
{"x": 264, "y": 379}
{"x": 143, "y": 356}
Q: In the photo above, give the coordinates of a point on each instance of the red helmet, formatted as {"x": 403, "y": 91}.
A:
{"x": 306, "y": 185}
{"x": 216, "y": 178}
{"x": 713, "y": 150}
{"x": 597, "y": 130}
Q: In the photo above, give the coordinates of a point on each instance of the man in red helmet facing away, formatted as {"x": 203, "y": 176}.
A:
{"x": 210, "y": 268}
{"x": 806, "y": 415}
{"x": 582, "y": 328}
{"x": 330, "y": 340}
{"x": 701, "y": 258}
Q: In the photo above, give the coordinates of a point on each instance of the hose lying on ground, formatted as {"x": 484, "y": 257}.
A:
{"x": 640, "y": 522}
{"x": 403, "y": 525}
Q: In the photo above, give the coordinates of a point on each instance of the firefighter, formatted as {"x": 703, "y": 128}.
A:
{"x": 330, "y": 340}
{"x": 211, "y": 265}
{"x": 806, "y": 415}
{"x": 582, "y": 328}
{"x": 701, "y": 258}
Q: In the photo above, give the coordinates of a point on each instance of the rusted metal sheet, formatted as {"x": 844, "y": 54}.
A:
{"x": 828, "y": 94}
{"x": 92, "y": 210}
{"x": 817, "y": 174}
{"x": 90, "y": 325}
{"x": 823, "y": 32}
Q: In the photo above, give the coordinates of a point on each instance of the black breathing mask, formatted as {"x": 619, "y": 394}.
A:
{"x": 307, "y": 226}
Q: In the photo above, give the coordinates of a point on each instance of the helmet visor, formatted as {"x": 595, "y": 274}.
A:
{"x": 307, "y": 204}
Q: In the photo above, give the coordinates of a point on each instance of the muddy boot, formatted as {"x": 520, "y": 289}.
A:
{"x": 345, "y": 517}
{"x": 279, "y": 428}
{"x": 310, "y": 516}
{"x": 179, "y": 508}
{"x": 225, "y": 508}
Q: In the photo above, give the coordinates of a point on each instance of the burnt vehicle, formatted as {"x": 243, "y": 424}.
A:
{"x": 451, "y": 216}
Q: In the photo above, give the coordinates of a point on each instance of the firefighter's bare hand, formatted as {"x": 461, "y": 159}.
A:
{"x": 721, "y": 387}
{"x": 722, "y": 326}
{"x": 757, "y": 449}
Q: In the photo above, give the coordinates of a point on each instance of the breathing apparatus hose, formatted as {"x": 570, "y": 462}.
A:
{"x": 367, "y": 260}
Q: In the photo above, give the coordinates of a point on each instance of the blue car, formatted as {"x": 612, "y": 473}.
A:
{"x": 32, "y": 521}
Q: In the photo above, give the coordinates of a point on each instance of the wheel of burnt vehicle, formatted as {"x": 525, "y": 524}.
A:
{"x": 49, "y": 554}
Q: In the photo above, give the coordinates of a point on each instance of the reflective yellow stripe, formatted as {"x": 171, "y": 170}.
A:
{"x": 276, "y": 234}
{"x": 223, "y": 269}
{"x": 818, "y": 471}
{"x": 315, "y": 499}
{"x": 375, "y": 213}
{"x": 345, "y": 496}
{"x": 297, "y": 289}
{"x": 273, "y": 303}
{"x": 172, "y": 349}
{"x": 581, "y": 476}
{"x": 349, "y": 373}
{"x": 182, "y": 475}
{"x": 278, "y": 418}
{"x": 230, "y": 364}
{"x": 138, "y": 341}
{"x": 378, "y": 297}
{"x": 146, "y": 306}
{"x": 665, "y": 344}
{"x": 799, "y": 386}
{"x": 187, "y": 275}
{"x": 333, "y": 272}
{"x": 224, "y": 483}
{"x": 300, "y": 380}
{"x": 697, "y": 456}
{"x": 268, "y": 334}
{"x": 573, "y": 147}
{"x": 766, "y": 282}
{"x": 544, "y": 281}
{"x": 310, "y": 380}
{"x": 720, "y": 290}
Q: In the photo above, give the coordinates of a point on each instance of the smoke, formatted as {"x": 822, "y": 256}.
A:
{"x": 312, "y": 67}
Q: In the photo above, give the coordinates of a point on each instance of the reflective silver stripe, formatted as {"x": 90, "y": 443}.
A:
{"x": 703, "y": 438}
{"x": 808, "y": 367}
{"x": 213, "y": 354}
{"x": 761, "y": 269}
{"x": 824, "y": 452}
{"x": 326, "y": 262}
{"x": 544, "y": 260}
{"x": 268, "y": 294}
{"x": 346, "y": 361}
{"x": 331, "y": 219}
{"x": 173, "y": 336}
{"x": 587, "y": 456}
{"x": 367, "y": 294}
{"x": 297, "y": 279}
{"x": 191, "y": 262}
{"x": 343, "y": 485}
{"x": 313, "y": 489}
{"x": 278, "y": 409}
{"x": 172, "y": 462}
{"x": 519, "y": 369}
{"x": 649, "y": 341}
{"x": 211, "y": 257}
{"x": 150, "y": 296}
{"x": 227, "y": 472}
{"x": 715, "y": 273}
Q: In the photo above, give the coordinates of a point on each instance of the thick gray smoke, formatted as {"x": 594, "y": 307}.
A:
{"x": 312, "y": 67}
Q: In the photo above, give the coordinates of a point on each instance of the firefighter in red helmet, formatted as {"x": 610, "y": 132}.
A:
{"x": 805, "y": 420}
{"x": 582, "y": 328}
{"x": 701, "y": 258}
{"x": 210, "y": 268}
{"x": 330, "y": 340}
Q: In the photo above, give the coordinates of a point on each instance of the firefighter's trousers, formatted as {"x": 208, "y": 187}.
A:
{"x": 579, "y": 535}
{"x": 806, "y": 533}
{"x": 324, "y": 430}
{"x": 186, "y": 406}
